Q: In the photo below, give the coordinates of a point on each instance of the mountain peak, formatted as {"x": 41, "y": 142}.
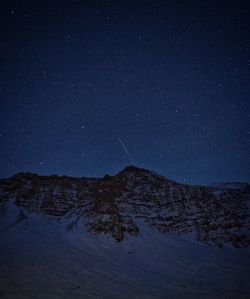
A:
{"x": 134, "y": 169}
{"x": 112, "y": 204}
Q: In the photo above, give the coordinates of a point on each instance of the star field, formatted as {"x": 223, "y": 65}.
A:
{"x": 170, "y": 78}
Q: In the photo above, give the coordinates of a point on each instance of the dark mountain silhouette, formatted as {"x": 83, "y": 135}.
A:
{"x": 215, "y": 214}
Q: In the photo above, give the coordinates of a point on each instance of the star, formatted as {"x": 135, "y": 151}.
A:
{"x": 114, "y": 70}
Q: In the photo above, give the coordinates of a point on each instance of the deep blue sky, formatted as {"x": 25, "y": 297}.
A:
{"x": 170, "y": 78}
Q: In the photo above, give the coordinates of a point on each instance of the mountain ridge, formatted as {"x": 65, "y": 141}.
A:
{"x": 110, "y": 204}
{"x": 129, "y": 168}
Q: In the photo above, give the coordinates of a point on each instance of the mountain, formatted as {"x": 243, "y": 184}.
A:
{"x": 216, "y": 214}
{"x": 136, "y": 234}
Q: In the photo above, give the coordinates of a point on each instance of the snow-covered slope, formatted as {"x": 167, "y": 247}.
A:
{"x": 113, "y": 238}
{"x": 111, "y": 204}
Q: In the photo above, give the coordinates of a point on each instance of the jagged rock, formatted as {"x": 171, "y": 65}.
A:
{"x": 217, "y": 214}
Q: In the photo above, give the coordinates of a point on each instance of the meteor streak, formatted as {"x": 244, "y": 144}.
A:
{"x": 128, "y": 154}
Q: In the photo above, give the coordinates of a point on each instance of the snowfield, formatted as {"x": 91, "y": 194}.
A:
{"x": 44, "y": 256}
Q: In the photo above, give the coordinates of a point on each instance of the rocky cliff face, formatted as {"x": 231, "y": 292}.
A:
{"x": 217, "y": 214}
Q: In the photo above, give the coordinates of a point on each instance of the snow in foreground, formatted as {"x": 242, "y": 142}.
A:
{"x": 43, "y": 257}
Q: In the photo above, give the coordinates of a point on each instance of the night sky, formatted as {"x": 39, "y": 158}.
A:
{"x": 171, "y": 79}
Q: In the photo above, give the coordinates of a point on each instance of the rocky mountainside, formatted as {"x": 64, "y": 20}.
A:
{"x": 217, "y": 214}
